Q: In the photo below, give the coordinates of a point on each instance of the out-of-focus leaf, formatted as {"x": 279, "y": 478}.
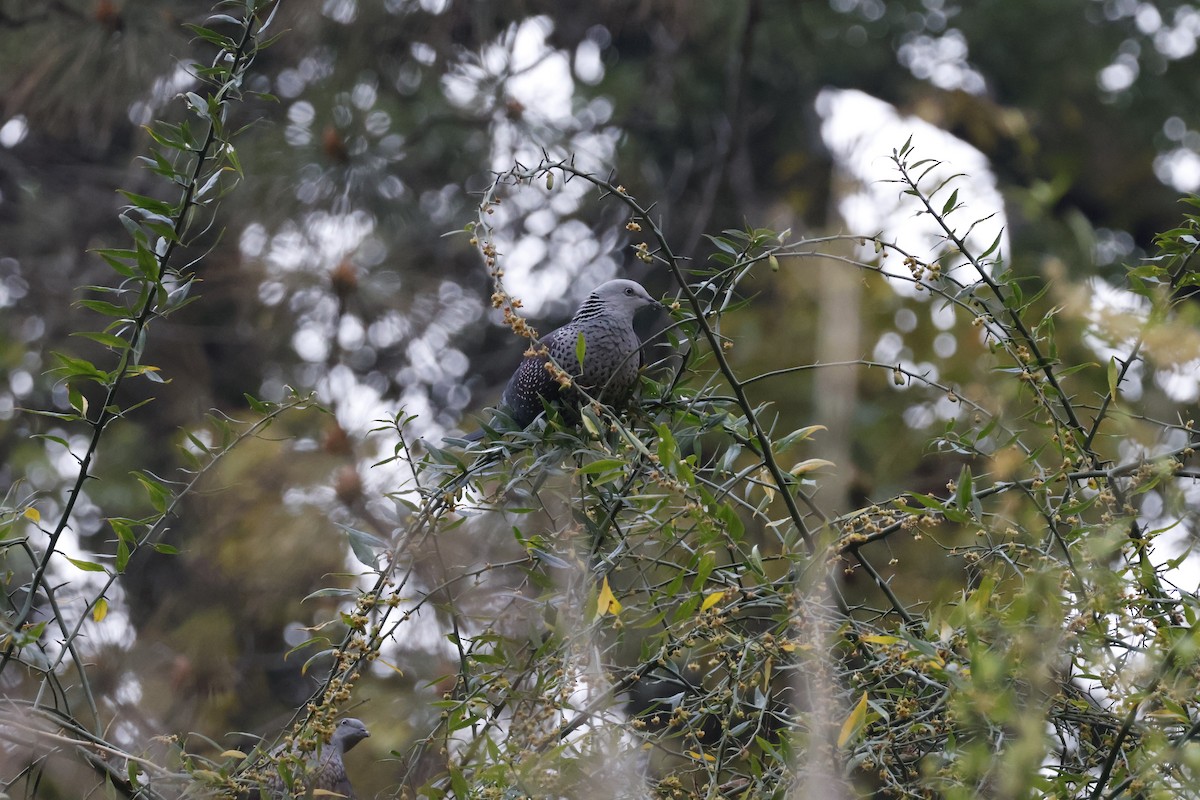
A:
{"x": 853, "y": 722}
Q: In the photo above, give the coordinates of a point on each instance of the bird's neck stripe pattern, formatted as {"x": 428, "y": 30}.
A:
{"x": 592, "y": 307}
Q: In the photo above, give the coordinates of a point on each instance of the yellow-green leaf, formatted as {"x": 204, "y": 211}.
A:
{"x": 879, "y": 638}
{"x": 854, "y": 722}
{"x": 33, "y": 514}
{"x": 601, "y": 465}
{"x": 77, "y": 400}
{"x": 767, "y": 484}
{"x": 607, "y": 603}
{"x": 1112, "y": 377}
{"x": 711, "y": 600}
{"x": 207, "y": 775}
{"x": 392, "y": 667}
{"x": 232, "y": 754}
{"x": 798, "y": 435}
{"x": 589, "y": 422}
{"x": 810, "y": 465}
{"x": 100, "y": 610}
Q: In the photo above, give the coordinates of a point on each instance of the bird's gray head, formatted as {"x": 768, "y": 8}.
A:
{"x": 349, "y": 732}
{"x": 620, "y": 298}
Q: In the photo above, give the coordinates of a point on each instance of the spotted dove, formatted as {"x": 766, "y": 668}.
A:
{"x": 611, "y": 356}
{"x": 323, "y": 769}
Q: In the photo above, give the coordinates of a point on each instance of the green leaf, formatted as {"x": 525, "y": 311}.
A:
{"x": 965, "y": 489}
{"x": 458, "y": 783}
{"x": 783, "y": 443}
{"x": 755, "y": 562}
{"x": 50, "y": 437}
{"x": 132, "y": 227}
{"x": 208, "y": 185}
{"x": 211, "y": 36}
{"x": 148, "y": 203}
{"x": 79, "y": 367}
{"x": 332, "y": 591}
{"x": 364, "y": 545}
{"x": 158, "y": 164}
{"x": 1071, "y": 370}
{"x": 1113, "y": 374}
{"x": 158, "y": 493}
{"x": 224, "y": 18}
{"x": 122, "y": 555}
{"x": 547, "y": 558}
{"x": 733, "y": 522}
{"x": 122, "y": 529}
{"x": 32, "y": 633}
{"x": 167, "y": 135}
{"x": 580, "y": 349}
{"x": 199, "y": 445}
{"x": 722, "y": 244}
{"x": 164, "y": 228}
{"x": 601, "y": 465}
{"x": 77, "y": 401}
{"x": 147, "y": 262}
{"x": 234, "y": 162}
{"x": 951, "y": 201}
{"x": 108, "y": 309}
{"x": 668, "y": 451}
{"x": 106, "y": 339}
{"x": 591, "y": 423}
{"x": 197, "y": 104}
{"x": 257, "y": 406}
{"x": 149, "y": 371}
{"x": 86, "y": 566}
{"x": 992, "y": 247}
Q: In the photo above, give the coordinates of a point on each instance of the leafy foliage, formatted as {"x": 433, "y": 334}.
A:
{"x": 671, "y": 556}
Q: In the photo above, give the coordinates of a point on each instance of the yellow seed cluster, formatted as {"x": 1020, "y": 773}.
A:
{"x": 518, "y": 324}
{"x": 559, "y": 375}
{"x": 920, "y": 270}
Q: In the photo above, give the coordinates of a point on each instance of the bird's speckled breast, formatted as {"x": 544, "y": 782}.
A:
{"x": 610, "y": 358}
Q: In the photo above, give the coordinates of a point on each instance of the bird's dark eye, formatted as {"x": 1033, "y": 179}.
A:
{"x": 629, "y": 292}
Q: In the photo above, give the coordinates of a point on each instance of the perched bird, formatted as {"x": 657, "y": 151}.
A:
{"x": 324, "y": 768}
{"x": 611, "y": 356}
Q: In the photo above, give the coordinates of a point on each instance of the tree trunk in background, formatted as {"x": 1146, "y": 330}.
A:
{"x": 835, "y": 389}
